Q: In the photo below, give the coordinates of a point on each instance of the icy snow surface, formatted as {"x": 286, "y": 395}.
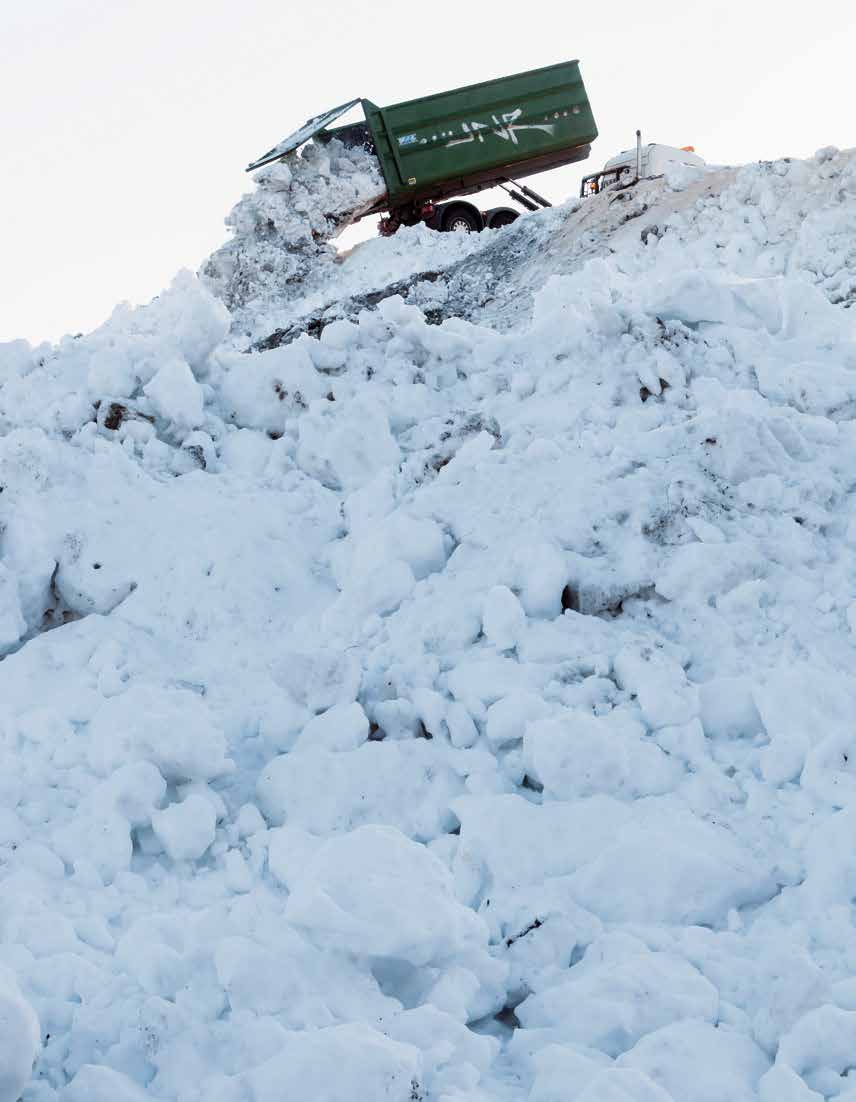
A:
{"x": 452, "y": 702}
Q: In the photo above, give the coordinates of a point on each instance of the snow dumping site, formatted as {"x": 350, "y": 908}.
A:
{"x": 432, "y": 681}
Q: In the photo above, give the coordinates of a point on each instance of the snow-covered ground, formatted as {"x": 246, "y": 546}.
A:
{"x": 453, "y": 703}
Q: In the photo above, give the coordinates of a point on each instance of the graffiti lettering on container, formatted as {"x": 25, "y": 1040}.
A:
{"x": 507, "y": 129}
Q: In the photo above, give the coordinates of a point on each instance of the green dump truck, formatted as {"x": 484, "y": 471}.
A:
{"x": 458, "y": 143}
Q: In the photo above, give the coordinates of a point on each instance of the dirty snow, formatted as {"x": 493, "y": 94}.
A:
{"x": 452, "y": 702}
{"x": 281, "y": 230}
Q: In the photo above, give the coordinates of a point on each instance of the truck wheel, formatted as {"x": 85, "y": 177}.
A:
{"x": 503, "y": 218}
{"x": 460, "y": 218}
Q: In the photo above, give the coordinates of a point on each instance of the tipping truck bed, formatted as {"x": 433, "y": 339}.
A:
{"x": 465, "y": 140}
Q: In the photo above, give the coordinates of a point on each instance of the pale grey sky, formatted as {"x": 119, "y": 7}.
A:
{"x": 126, "y": 124}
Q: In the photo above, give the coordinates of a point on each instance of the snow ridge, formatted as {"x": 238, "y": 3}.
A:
{"x": 453, "y": 703}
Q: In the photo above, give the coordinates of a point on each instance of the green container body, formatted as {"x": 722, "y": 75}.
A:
{"x": 459, "y": 142}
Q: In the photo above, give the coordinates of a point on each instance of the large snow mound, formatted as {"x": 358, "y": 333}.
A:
{"x": 451, "y": 699}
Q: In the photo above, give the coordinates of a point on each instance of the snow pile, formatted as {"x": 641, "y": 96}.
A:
{"x": 281, "y": 230}
{"x": 453, "y": 702}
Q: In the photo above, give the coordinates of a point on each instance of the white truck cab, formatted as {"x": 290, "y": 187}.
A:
{"x": 641, "y": 163}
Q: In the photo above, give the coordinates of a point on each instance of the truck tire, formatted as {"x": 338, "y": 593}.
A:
{"x": 502, "y": 217}
{"x": 461, "y": 218}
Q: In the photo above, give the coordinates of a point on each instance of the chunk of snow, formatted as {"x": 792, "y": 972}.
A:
{"x": 97, "y": 1083}
{"x": 676, "y": 870}
{"x": 342, "y": 727}
{"x": 610, "y": 1005}
{"x": 822, "y": 1038}
{"x": 20, "y": 1038}
{"x": 400, "y": 784}
{"x": 623, "y": 1085}
{"x": 347, "y": 450}
{"x": 728, "y": 709}
{"x": 327, "y": 1065}
{"x": 508, "y": 718}
{"x": 186, "y": 829}
{"x": 289, "y": 851}
{"x": 373, "y": 891}
{"x": 12, "y": 623}
{"x": 176, "y": 395}
{"x": 659, "y": 684}
{"x": 172, "y": 728}
{"x": 782, "y": 1084}
{"x": 505, "y": 840}
{"x": 558, "y": 1066}
{"x": 541, "y": 573}
{"x": 578, "y": 754}
{"x": 503, "y": 618}
{"x": 698, "y": 1062}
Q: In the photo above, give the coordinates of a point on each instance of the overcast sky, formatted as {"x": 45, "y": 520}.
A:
{"x": 126, "y": 124}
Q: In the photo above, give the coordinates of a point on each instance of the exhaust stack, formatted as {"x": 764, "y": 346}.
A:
{"x": 638, "y": 156}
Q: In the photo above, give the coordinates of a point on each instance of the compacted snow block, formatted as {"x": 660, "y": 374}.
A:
{"x": 611, "y": 1004}
{"x": 577, "y": 755}
{"x": 373, "y": 891}
{"x": 176, "y": 395}
{"x": 503, "y": 618}
{"x": 19, "y": 1038}
{"x": 507, "y": 718}
{"x": 620, "y": 1085}
{"x": 376, "y": 894}
{"x": 172, "y": 338}
{"x": 172, "y": 728}
{"x": 678, "y": 869}
{"x": 507, "y": 842}
{"x": 395, "y": 783}
{"x": 698, "y": 1062}
{"x": 346, "y": 449}
{"x": 12, "y": 623}
{"x": 823, "y": 1038}
{"x": 345, "y": 1063}
{"x": 186, "y": 830}
{"x": 558, "y": 1065}
{"x": 342, "y": 727}
{"x": 96, "y": 1083}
